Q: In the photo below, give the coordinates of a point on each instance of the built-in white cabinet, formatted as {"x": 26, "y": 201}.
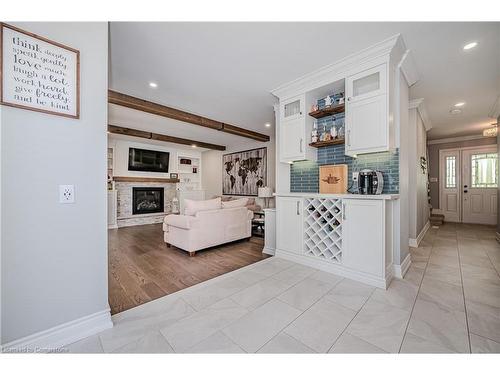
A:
{"x": 295, "y": 131}
{"x": 367, "y": 83}
{"x": 289, "y": 224}
{"x": 366, "y": 119}
{"x": 366, "y": 126}
{"x": 292, "y": 140}
{"x": 363, "y": 235}
{"x": 292, "y": 108}
{"x": 343, "y": 234}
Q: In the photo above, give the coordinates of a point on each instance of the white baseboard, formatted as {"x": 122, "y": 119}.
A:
{"x": 414, "y": 242}
{"x": 113, "y": 226}
{"x": 269, "y": 250}
{"x": 400, "y": 270}
{"x": 326, "y": 266}
{"x": 61, "y": 335}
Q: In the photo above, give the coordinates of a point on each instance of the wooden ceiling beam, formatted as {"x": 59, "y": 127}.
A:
{"x": 162, "y": 137}
{"x": 132, "y": 102}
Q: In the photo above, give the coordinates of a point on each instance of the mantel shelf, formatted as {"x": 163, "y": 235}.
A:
{"x": 145, "y": 179}
{"x": 328, "y": 111}
{"x": 337, "y": 141}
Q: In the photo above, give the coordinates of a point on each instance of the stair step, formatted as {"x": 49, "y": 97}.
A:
{"x": 437, "y": 216}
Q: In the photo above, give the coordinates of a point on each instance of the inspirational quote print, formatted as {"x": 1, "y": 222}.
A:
{"x": 39, "y": 74}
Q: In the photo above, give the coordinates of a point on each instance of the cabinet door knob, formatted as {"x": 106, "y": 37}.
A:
{"x": 349, "y": 99}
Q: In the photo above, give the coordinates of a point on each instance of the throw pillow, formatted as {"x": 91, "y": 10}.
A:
{"x": 192, "y": 207}
{"x": 242, "y": 202}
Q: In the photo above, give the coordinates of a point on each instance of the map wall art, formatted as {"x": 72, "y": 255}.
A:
{"x": 244, "y": 172}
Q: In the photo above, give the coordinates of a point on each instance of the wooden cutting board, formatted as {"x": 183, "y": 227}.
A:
{"x": 333, "y": 179}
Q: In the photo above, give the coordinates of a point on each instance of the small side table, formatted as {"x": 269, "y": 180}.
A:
{"x": 258, "y": 223}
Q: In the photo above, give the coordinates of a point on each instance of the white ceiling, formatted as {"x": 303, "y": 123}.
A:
{"x": 225, "y": 71}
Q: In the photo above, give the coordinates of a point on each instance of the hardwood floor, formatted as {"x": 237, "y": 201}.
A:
{"x": 142, "y": 268}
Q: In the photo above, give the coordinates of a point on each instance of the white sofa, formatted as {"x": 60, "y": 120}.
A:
{"x": 207, "y": 228}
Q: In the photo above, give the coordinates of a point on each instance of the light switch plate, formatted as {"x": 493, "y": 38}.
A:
{"x": 66, "y": 193}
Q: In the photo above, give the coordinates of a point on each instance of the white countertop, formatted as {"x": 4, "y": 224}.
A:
{"x": 339, "y": 196}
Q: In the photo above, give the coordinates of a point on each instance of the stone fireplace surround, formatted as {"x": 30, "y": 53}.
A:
{"x": 126, "y": 218}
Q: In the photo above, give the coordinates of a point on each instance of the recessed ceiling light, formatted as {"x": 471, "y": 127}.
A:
{"x": 193, "y": 146}
{"x": 470, "y": 45}
{"x": 267, "y": 124}
{"x": 456, "y": 111}
{"x": 153, "y": 85}
{"x": 460, "y": 104}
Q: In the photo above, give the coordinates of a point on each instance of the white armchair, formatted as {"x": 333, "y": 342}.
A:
{"x": 207, "y": 228}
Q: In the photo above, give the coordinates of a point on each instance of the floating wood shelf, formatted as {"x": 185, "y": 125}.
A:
{"x": 145, "y": 179}
{"x": 328, "y": 111}
{"x": 338, "y": 141}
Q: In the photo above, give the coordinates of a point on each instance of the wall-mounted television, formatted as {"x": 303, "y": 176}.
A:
{"x": 147, "y": 160}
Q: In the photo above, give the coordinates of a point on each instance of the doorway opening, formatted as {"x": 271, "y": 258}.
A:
{"x": 468, "y": 186}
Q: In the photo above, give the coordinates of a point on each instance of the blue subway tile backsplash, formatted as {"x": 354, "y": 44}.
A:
{"x": 304, "y": 175}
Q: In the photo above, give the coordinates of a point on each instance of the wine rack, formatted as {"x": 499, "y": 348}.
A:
{"x": 323, "y": 228}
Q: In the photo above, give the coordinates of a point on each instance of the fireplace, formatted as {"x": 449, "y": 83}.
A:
{"x": 147, "y": 200}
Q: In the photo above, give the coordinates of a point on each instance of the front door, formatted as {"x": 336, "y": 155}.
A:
{"x": 449, "y": 197}
{"x": 479, "y": 185}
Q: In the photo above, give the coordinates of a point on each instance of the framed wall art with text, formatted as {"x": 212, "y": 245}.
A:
{"x": 38, "y": 74}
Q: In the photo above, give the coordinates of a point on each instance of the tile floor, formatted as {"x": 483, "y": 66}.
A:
{"x": 449, "y": 301}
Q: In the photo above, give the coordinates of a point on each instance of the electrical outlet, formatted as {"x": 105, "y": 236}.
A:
{"x": 66, "y": 193}
{"x": 355, "y": 176}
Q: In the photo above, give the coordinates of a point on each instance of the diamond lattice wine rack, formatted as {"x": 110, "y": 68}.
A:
{"x": 323, "y": 228}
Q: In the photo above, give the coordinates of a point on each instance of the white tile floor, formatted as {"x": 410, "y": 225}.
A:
{"x": 449, "y": 301}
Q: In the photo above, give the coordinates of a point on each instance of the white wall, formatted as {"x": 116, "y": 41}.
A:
{"x": 419, "y": 206}
{"x": 417, "y": 191}
{"x": 403, "y": 169}
{"x": 120, "y": 157}
{"x": 212, "y": 164}
{"x": 54, "y": 256}
{"x": 212, "y": 178}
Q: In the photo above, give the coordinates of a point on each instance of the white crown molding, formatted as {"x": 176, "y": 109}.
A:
{"x": 61, "y": 335}
{"x": 495, "y": 110}
{"x": 409, "y": 68}
{"x": 455, "y": 139}
{"x": 325, "y": 74}
{"x": 419, "y": 105}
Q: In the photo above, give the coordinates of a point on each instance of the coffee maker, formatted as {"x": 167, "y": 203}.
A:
{"x": 370, "y": 182}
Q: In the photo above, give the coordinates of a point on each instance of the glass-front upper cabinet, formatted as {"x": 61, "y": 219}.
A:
{"x": 366, "y": 84}
{"x": 292, "y": 108}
